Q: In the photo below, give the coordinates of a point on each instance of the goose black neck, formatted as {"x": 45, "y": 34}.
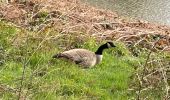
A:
{"x": 100, "y": 49}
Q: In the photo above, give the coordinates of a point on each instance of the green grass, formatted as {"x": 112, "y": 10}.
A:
{"x": 50, "y": 79}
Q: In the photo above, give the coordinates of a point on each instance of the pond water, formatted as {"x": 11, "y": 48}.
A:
{"x": 150, "y": 10}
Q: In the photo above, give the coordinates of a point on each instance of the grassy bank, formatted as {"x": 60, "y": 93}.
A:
{"x": 28, "y": 71}
{"x": 46, "y": 78}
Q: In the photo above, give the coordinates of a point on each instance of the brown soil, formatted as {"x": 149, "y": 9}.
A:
{"x": 68, "y": 16}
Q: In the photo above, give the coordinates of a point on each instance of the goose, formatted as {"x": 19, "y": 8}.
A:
{"x": 84, "y": 57}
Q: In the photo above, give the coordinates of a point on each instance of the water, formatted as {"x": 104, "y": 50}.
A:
{"x": 150, "y": 10}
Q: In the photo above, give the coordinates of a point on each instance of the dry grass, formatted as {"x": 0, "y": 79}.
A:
{"x": 68, "y": 16}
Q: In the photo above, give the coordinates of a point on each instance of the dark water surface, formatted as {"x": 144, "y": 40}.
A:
{"x": 150, "y": 10}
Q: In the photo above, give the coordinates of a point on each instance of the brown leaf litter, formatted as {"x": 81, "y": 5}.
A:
{"x": 69, "y": 16}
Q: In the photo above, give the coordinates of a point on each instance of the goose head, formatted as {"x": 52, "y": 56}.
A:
{"x": 103, "y": 47}
{"x": 110, "y": 44}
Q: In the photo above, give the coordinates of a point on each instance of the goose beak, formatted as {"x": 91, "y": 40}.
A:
{"x": 112, "y": 45}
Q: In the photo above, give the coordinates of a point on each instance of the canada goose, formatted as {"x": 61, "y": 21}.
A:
{"x": 85, "y": 57}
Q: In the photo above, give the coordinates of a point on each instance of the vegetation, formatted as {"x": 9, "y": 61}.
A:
{"x": 27, "y": 69}
{"x": 138, "y": 68}
{"x": 47, "y": 78}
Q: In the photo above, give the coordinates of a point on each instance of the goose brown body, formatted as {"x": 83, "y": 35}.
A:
{"x": 83, "y": 57}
